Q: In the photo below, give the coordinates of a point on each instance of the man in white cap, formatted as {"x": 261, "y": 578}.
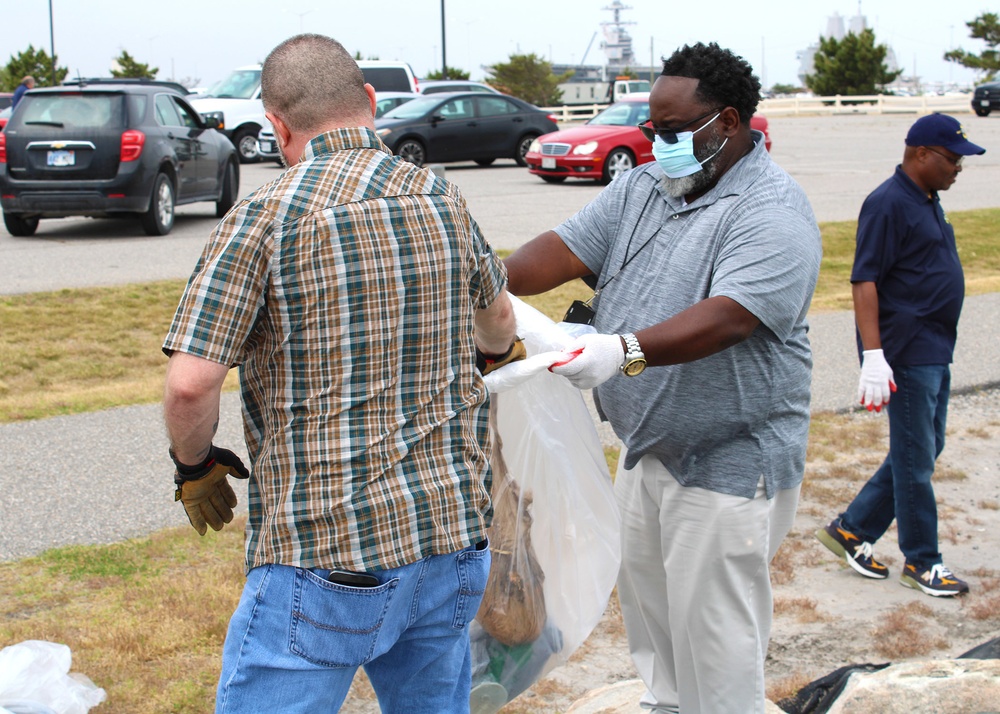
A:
{"x": 908, "y": 288}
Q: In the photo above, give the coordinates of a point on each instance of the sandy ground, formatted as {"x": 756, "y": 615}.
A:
{"x": 826, "y": 616}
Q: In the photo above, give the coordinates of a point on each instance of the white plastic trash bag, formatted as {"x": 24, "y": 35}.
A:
{"x": 558, "y": 549}
{"x": 35, "y": 679}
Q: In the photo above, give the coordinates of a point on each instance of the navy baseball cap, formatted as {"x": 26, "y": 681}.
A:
{"x": 941, "y": 130}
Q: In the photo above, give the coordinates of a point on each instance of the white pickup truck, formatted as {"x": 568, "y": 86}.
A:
{"x": 235, "y": 101}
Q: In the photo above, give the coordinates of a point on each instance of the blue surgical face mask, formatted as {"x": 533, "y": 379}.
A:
{"x": 678, "y": 160}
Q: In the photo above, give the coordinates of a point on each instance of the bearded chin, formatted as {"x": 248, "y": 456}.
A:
{"x": 678, "y": 187}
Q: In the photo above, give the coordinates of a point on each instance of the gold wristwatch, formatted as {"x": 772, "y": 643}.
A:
{"x": 635, "y": 360}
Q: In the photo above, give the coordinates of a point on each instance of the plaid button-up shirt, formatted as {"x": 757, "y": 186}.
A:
{"x": 346, "y": 290}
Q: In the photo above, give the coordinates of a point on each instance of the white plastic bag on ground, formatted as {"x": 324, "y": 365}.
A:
{"x": 562, "y": 539}
{"x": 35, "y": 679}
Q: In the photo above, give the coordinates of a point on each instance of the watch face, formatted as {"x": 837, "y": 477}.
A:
{"x": 634, "y": 367}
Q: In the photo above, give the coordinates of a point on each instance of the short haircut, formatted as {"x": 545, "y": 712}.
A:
{"x": 724, "y": 79}
{"x": 311, "y": 81}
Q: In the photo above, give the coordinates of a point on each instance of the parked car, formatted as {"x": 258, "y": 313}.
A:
{"x": 111, "y": 150}
{"x": 267, "y": 149}
{"x": 234, "y": 102}
{"x": 436, "y": 86}
{"x": 85, "y": 81}
{"x": 466, "y": 126}
{"x": 4, "y": 116}
{"x": 6, "y": 99}
{"x": 605, "y": 146}
{"x": 986, "y": 98}
{"x": 387, "y": 101}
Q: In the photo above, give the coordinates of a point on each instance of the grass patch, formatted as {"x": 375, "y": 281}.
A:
{"x": 904, "y": 633}
{"x": 82, "y": 350}
{"x": 145, "y": 619}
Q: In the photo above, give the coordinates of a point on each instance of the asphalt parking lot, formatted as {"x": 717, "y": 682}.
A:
{"x": 837, "y": 159}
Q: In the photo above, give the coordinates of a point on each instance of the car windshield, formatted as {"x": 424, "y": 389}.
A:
{"x": 413, "y": 109}
{"x": 72, "y": 110}
{"x": 240, "y": 84}
{"x": 623, "y": 114}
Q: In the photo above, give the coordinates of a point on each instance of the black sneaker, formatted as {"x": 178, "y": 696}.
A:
{"x": 856, "y": 552}
{"x": 937, "y": 581}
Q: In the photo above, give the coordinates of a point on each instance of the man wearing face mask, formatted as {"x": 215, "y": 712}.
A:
{"x": 705, "y": 263}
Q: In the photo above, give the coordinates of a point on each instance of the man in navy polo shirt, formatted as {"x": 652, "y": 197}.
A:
{"x": 908, "y": 288}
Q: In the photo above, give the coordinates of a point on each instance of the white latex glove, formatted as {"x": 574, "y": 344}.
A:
{"x": 876, "y": 383}
{"x": 591, "y": 360}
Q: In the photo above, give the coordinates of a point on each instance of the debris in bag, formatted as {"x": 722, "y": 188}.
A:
{"x": 35, "y": 679}
{"x": 554, "y": 537}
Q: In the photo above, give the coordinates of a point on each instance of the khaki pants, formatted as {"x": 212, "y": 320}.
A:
{"x": 695, "y": 590}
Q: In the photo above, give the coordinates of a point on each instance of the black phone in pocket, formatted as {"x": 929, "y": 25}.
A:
{"x": 580, "y": 313}
{"x": 355, "y": 580}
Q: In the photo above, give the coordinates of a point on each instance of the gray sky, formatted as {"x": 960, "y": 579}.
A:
{"x": 204, "y": 40}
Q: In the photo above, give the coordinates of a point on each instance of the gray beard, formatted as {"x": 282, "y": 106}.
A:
{"x": 678, "y": 187}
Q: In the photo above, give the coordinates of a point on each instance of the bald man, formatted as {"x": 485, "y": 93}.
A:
{"x": 353, "y": 291}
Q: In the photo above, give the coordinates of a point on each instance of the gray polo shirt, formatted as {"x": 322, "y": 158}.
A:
{"x": 723, "y": 422}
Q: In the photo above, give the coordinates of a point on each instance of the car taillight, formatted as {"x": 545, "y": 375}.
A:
{"x": 132, "y": 143}
{"x": 553, "y": 118}
{"x": 3, "y": 148}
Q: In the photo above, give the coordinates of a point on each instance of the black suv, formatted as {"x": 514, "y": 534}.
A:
{"x": 985, "y": 98}
{"x": 111, "y": 149}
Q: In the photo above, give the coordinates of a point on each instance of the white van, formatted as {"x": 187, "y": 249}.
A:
{"x": 389, "y": 76}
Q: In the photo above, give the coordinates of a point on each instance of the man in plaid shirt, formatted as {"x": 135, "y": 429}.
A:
{"x": 353, "y": 292}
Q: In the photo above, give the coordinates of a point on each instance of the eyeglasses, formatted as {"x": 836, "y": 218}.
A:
{"x": 952, "y": 159}
{"x": 670, "y": 135}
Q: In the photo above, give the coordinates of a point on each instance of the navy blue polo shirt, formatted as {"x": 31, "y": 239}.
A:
{"x": 906, "y": 246}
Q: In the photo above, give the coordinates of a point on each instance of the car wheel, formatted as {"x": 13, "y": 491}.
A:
{"x": 522, "y": 149}
{"x": 618, "y": 162}
{"x": 227, "y": 197}
{"x": 413, "y": 151}
{"x": 245, "y": 141}
{"x": 159, "y": 219}
{"x": 553, "y": 179}
{"x": 485, "y": 162}
{"x": 982, "y": 111}
{"x": 18, "y": 226}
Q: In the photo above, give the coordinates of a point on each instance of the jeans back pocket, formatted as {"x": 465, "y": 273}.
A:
{"x": 336, "y": 625}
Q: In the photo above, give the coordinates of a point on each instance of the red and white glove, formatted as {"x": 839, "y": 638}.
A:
{"x": 876, "y": 383}
{"x": 591, "y": 360}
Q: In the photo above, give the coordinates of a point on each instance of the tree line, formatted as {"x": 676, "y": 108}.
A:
{"x": 854, "y": 65}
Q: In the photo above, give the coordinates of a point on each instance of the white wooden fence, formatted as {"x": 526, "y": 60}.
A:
{"x": 800, "y": 104}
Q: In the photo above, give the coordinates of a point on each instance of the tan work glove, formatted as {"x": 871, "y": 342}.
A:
{"x": 205, "y": 492}
{"x": 487, "y": 363}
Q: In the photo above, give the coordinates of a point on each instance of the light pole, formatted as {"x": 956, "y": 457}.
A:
{"x": 444, "y": 51}
{"x": 52, "y": 43}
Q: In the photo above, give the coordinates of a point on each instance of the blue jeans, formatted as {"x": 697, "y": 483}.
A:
{"x": 901, "y": 488}
{"x": 296, "y": 640}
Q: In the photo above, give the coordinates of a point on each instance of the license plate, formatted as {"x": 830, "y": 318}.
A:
{"x": 984, "y": 102}
{"x": 61, "y": 158}
{"x": 548, "y": 162}
{"x": 265, "y": 146}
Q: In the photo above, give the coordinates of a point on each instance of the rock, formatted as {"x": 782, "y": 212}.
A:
{"x": 623, "y": 698}
{"x": 954, "y": 686}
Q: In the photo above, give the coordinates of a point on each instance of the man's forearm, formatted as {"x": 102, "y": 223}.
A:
{"x": 496, "y": 326}
{"x": 191, "y": 405}
{"x": 866, "y": 314}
